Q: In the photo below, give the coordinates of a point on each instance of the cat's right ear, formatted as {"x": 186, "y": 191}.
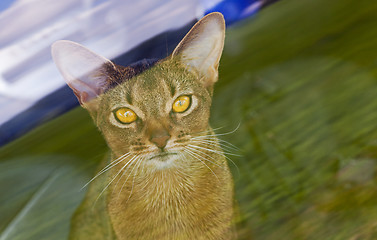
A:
{"x": 201, "y": 48}
{"x": 85, "y": 72}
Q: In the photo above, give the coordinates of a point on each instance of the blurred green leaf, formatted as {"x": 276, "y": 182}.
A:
{"x": 42, "y": 195}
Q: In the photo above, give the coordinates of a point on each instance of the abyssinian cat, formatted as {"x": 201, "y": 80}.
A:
{"x": 166, "y": 176}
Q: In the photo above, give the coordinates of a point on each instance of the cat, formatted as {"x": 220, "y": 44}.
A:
{"x": 166, "y": 176}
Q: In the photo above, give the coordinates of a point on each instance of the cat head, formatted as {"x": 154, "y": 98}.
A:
{"x": 153, "y": 109}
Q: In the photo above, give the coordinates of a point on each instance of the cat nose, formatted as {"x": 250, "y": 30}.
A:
{"x": 160, "y": 139}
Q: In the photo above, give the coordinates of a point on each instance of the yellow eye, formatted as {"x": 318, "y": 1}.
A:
{"x": 125, "y": 115}
{"x": 181, "y": 104}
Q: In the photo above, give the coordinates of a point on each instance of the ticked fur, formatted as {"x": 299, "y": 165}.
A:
{"x": 181, "y": 189}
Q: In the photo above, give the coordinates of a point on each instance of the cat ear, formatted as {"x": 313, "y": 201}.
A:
{"x": 85, "y": 72}
{"x": 201, "y": 48}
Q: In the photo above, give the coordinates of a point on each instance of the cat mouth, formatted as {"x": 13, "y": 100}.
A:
{"x": 162, "y": 156}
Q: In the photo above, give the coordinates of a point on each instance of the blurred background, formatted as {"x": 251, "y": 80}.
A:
{"x": 297, "y": 77}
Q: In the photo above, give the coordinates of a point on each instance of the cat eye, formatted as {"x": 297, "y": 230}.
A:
{"x": 125, "y": 115}
{"x": 181, "y": 104}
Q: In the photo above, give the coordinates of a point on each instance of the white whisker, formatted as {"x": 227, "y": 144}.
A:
{"x": 125, "y": 170}
{"x": 198, "y": 151}
{"x": 137, "y": 161}
{"x": 106, "y": 168}
{"x": 216, "y": 139}
{"x": 226, "y": 143}
{"x": 115, "y": 162}
{"x": 238, "y": 170}
{"x": 133, "y": 179}
{"x": 207, "y": 131}
{"x": 112, "y": 180}
{"x": 220, "y": 153}
{"x": 214, "y": 143}
{"x": 221, "y": 134}
{"x": 192, "y": 155}
{"x": 214, "y": 151}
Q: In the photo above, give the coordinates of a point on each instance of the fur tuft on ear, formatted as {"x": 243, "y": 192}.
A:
{"x": 202, "y": 46}
{"x": 85, "y": 72}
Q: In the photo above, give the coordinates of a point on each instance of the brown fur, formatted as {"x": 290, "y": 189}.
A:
{"x": 185, "y": 195}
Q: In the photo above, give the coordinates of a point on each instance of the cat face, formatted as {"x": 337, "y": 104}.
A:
{"x": 156, "y": 111}
{"x": 168, "y": 104}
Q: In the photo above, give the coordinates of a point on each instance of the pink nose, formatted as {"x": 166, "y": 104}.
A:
{"x": 160, "y": 141}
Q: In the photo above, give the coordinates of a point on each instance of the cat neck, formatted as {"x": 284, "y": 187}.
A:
{"x": 170, "y": 184}
{"x": 180, "y": 199}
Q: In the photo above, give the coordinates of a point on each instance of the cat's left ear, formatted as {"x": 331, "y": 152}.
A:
{"x": 201, "y": 48}
{"x": 84, "y": 71}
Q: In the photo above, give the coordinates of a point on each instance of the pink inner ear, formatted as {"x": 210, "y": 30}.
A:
{"x": 83, "y": 91}
{"x": 84, "y": 71}
{"x": 201, "y": 48}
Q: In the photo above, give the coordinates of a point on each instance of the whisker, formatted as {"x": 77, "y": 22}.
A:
{"x": 115, "y": 161}
{"x": 214, "y": 138}
{"x": 125, "y": 170}
{"x": 214, "y": 143}
{"x": 214, "y": 151}
{"x": 106, "y": 168}
{"x": 202, "y": 162}
{"x": 147, "y": 179}
{"x": 112, "y": 180}
{"x": 238, "y": 170}
{"x": 206, "y": 131}
{"x": 142, "y": 170}
{"x": 229, "y": 144}
{"x": 220, "y": 153}
{"x": 133, "y": 180}
{"x": 222, "y": 134}
{"x": 193, "y": 150}
{"x": 225, "y": 144}
{"x": 137, "y": 161}
{"x": 181, "y": 155}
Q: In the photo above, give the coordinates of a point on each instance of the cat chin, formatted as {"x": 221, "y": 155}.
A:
{"x": 160, "y": 162}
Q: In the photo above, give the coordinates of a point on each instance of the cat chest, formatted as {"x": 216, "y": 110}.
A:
{"x": 166, "y": 215}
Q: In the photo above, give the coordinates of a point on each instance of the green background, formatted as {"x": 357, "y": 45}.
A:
{"x": 299, "y": 78}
